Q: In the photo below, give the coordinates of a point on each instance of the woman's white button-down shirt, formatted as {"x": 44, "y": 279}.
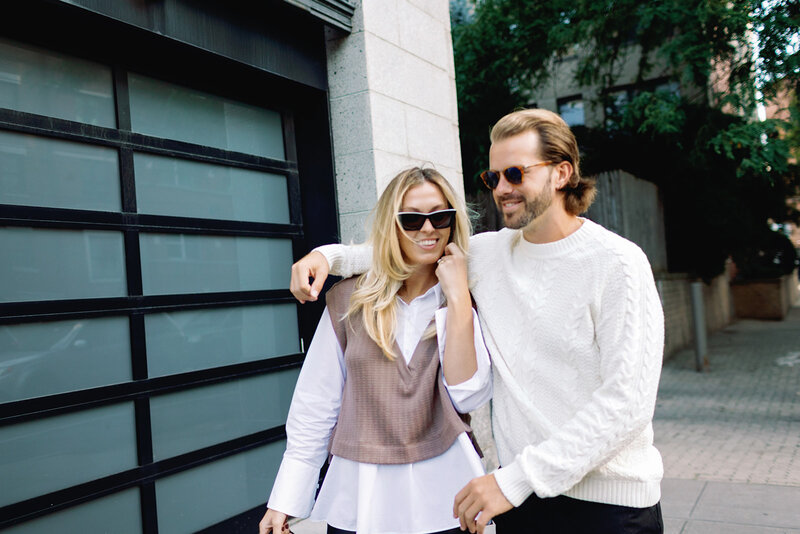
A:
{"x": 411, "y": 498}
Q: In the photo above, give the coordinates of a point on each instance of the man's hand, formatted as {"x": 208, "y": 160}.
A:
{"x": 311, "y": 266}
{"x": 481, "y": 496}
{"x": 274, "y": 522}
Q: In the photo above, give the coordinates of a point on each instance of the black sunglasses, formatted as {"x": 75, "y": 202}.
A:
{"x": 412, "y": 220}
{"x": 513, "y": 174}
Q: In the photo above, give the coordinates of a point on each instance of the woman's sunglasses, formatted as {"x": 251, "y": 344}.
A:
{"x": 513, "y": 174}
{"x": 412, "y": 220}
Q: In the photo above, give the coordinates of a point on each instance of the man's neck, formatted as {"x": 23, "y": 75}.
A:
{"x": 553, "y": 225}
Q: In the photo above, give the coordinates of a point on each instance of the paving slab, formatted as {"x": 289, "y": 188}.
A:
{"x": 679, "y": 497}
{"x": 750, "y": 504}
{"x": 309, "y": 527}
{"x": 709, "y": 507}
{"x": 704, "y": 527}
{"x": 674, "y": 526}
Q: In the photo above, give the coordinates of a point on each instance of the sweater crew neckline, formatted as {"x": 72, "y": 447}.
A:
{"x": 560, "y": 247}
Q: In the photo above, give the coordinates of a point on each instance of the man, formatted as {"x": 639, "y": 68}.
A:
{"x": 574, "y": 324}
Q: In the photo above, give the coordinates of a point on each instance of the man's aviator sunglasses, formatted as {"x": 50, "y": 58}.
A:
{"x": 513, "y": 174}
{"x": 412, "y": 221}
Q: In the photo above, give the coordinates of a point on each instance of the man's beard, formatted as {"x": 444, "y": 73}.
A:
{"x": 533, "y": 207}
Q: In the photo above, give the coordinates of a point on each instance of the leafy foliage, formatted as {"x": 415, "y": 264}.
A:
{"x": 722, "y": 174}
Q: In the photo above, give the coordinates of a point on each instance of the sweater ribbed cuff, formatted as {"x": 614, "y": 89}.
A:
{"x": 513, "y": 483}
{"x": 334, "y": 254}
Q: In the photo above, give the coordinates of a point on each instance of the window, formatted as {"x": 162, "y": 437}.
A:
{"x": 618, "y": 98}
{"x": 148, "y": 341}
{"x": 571, "y": 110}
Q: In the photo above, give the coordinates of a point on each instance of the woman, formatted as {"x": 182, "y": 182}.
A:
{"x": 380, "y": 388}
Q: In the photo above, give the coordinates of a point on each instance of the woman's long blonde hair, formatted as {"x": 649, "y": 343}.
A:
{"x": 376, "y": 290}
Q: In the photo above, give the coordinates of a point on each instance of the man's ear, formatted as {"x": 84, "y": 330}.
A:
{"x": 564, "y": 172}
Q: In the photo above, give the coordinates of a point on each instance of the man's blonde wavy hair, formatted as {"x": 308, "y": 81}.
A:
{"x": 376, "y": 290}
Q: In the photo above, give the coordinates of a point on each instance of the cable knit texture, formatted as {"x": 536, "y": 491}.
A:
{"x": 575, "y": 330}
{"x": 576, "y": 334}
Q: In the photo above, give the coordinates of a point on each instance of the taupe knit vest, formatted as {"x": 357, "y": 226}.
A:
{"x": 391, "y": 413}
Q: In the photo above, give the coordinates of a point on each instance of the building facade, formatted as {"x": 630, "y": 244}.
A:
{"x": 590, "y": 105}
{"x": 162, "y": 164}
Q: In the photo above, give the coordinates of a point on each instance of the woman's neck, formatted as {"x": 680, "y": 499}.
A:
{"x": 418, "y": 283}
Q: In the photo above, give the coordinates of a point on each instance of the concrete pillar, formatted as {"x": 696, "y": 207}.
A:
{"x": 393, "y": 102}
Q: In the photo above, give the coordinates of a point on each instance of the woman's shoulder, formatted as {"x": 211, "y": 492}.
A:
{"x": 345, "y": 284}
{"x": 342, "y": 287}
{"x": 338, "y": 296}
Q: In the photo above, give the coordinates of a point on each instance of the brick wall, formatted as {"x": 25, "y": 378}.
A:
{"x": 677, "y": 304}
{"x": 676, "y": 298}
{"x": 794, "y": 289}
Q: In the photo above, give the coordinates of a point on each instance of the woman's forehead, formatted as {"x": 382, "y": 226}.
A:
{"x": 425, "y": 195}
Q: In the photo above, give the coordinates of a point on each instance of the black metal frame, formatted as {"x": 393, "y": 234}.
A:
{"x": 136, "y": 305}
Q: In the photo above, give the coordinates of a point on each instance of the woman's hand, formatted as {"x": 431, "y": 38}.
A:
{"x": 452, "y": 275}
{"x": 460, "y": 362}
{"x": 274, "y": 522}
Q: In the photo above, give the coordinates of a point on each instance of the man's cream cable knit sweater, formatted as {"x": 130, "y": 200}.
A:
{"x": 575, "y": 330}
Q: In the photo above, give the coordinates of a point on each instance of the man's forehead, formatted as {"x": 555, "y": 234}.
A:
{"x": 522, "y": 144}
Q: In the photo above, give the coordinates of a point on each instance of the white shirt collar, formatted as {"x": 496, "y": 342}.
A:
{"x": 434, "y": 293}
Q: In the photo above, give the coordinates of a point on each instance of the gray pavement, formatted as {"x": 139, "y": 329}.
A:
{"x": 729, "y": 436}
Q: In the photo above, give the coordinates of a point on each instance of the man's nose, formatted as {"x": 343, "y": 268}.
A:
{"x": 503, "y": 185}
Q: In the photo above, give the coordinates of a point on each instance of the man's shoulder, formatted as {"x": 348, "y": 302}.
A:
{"x": 613, "y": 243}
{"x": 487, "y": 240}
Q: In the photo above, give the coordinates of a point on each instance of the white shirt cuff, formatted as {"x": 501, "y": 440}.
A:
{"x": 294, "y": 489}
{"x": 471, "y": 394}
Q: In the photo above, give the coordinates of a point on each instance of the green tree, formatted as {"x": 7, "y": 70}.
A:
{"x": 722, "y": 173}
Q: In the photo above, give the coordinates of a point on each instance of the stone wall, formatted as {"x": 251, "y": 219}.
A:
{"x": 718, "y": 301}
{"x": 768, "y": 298}
{"x": 676, "y": 299}
{"x": 794, "y": 289}
{"x": 393, "y": 101}
{"x": 677, "y": 303}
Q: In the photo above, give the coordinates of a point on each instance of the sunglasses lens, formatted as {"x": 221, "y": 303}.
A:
{"x": 411, "y": 221}
{"x": 490, "y": 178}
{"x": 513, "y": 175}
{"x": 441, "y": 219}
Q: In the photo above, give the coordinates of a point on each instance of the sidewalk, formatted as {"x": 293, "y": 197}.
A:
{"x": 730, "y": 436}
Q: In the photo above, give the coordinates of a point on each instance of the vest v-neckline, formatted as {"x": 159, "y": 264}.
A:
{"x": 411, "y": 364}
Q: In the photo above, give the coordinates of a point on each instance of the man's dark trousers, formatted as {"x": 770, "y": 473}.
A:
{"x": 564, "y": 515}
